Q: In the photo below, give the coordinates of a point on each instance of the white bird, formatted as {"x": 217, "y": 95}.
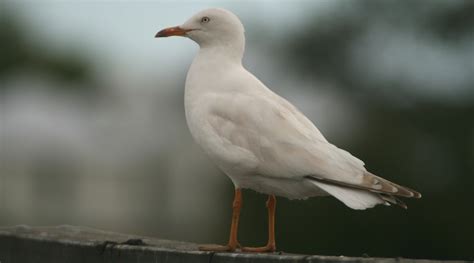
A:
{"x": 259, "y": 139}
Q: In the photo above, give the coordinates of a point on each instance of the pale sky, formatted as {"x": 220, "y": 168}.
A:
{"x": 120, "y": 34}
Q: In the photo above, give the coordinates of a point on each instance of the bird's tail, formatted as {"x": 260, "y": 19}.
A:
{"x": 353, "y": 198}
{"x": 357, "y": 198}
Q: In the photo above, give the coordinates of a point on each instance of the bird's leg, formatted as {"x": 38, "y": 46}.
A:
{"x": 271, "y": 245}
{"x": 233, "y": 243}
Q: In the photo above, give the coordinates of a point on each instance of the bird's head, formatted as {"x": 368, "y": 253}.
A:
{"x": 210, "y": 27}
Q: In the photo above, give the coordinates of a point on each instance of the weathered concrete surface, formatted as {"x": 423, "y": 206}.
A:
{"x": 71, "y": 244}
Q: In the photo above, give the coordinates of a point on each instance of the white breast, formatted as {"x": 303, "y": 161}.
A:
{"x": 208, "y": 80}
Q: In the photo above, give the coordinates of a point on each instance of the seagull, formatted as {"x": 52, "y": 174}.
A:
{"x": 259, "y": 139}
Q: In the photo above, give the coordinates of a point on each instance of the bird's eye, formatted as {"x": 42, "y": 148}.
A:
{"x": 205, "y": 19}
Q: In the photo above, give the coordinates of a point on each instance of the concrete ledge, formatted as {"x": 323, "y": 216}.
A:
{"x": 71, "y": 244}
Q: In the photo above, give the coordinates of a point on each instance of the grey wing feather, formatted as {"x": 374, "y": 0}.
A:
{"x": 372, "y": 183}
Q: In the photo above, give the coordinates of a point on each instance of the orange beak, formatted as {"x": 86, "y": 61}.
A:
{"x": 172, "y": 31}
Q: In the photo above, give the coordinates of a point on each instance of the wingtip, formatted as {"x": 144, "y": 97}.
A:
{"x": 414, "y": 194}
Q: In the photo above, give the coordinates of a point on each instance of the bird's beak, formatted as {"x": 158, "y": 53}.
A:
{"x": 172, "y": 31}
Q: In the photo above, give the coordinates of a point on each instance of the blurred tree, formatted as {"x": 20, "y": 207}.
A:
{"x": 18, "y": 52}
{"x": 51, "y": 171}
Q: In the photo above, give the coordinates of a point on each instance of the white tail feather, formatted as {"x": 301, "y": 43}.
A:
{"x": 353, "y": 198}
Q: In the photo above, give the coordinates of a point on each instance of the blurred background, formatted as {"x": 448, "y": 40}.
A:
{"x": 92, "y": 128}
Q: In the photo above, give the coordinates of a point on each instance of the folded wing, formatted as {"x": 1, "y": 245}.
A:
{"x": 288, "y": 145}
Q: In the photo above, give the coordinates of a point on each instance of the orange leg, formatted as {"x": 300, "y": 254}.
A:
{"x": 233, "y": 243}
{"x": 271, "y": 246}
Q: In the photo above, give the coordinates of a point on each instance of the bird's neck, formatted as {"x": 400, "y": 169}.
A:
{"x": 211, "y": 65}
{"x": 228, "y": 51}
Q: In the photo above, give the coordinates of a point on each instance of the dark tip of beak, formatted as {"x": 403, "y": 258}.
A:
{"x": 161, "y": 33}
